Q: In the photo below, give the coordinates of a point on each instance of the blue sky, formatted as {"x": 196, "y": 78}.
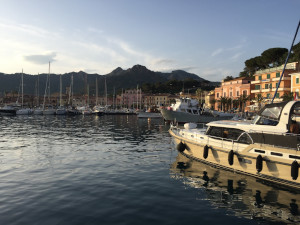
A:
{"x": 211, "y": 38}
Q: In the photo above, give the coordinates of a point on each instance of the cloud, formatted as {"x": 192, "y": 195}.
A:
{"x": 41, "y": 59}
{"x": 236, "y": 56}
{"x": 217, "y": 52}
{"x": 163, "y": 61}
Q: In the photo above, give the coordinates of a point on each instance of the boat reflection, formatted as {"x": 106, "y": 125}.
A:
{"x": 242, "y": 195}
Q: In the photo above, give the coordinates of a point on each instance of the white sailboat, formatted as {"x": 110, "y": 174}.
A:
{"x": 61, "y": 109}
{"x": 38, "y": 110}
{"x": 49, "y": 110}
{"x": 23, "y": 111}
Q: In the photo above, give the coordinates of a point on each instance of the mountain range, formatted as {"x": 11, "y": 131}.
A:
{"x": 116, "y": 80}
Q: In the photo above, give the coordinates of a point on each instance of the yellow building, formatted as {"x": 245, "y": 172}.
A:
{"x": 266, "y": 82}
{"x": 295, "y": 83}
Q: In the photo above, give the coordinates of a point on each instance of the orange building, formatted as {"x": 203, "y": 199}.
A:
{"x": 233, "y": 89}
{"x": 266, "y": 82}
{"x": 295, "y": 83}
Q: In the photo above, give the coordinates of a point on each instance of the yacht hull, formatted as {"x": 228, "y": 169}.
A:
{"x": 184, "y": 117}
{"x": 247, "y": 158}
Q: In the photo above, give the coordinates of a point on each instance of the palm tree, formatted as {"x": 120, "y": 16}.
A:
{"x": 199, "y": 94}
{"x": 223, "y": 101}
{"x": 228, "y": 103}
{"x": 212, "y": 102}
{"x": 288, "y": 96}
{"x": 259, "y": 98}
{"x": 242, "y": 101}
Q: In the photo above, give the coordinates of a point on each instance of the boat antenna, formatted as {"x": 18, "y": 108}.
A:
{"x": 286, "y": 62}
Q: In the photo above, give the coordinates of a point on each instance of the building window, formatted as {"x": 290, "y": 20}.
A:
{"x": 297, "y": 80}
{"x": 277, "y": 95}
{"x": 218, "y": 95}
{"x": 276, "y": 85}
{"x": 245, "y": 92}
{"x": 224, "y": 94}
{"x": 270, "y": 86}
{"x": 259, "y": 78}
{"x": 277, "y": 74}
{"x": 268, "y": 76}
{"x": 257, "y": 87}
{"x": 237, "y": 93}
{"x": 268, "y": 95}
{"x": 266, "y": 86}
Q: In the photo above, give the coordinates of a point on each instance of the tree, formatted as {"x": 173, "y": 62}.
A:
{"x": 273, "y": 57}
{"x": 228, "y": 78}
{"x": 199, "y": 94}
{"x": 242, "y": 101}
{"x": 223, "y": 102}
{"x": 212, "y": 102}
{"x": 259, "y": 98}
{"x": 288, "y": 96}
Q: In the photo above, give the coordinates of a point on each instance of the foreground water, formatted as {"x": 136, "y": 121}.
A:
{"x": 121, "y": 170}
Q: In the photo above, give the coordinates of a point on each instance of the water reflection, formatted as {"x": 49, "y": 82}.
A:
{"x": 242, "y": 195}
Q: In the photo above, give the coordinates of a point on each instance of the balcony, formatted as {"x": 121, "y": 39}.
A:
{"x": 283, "y": 78}
{"x": 256, "y": 82}
{"x": 256, "y": 91}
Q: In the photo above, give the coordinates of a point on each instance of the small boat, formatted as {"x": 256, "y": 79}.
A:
{"x": 8, "y": 110}
{"x": 150, "y": 113}
{"x": 24, "y": 111}
{"x": 61, "y": 110}
{"x": 187, "y": 110}
{"x": 264, "y": 148}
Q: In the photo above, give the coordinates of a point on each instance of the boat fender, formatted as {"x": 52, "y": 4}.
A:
{"x": 181, "y": 147}
{"x": 205, "y": 151}
{"x": 230, "y": 157}
{"x": 259, "y": 163}
{"x": 295, "y": 170}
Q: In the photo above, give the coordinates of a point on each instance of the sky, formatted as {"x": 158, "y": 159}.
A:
{"x": 210, "y": 38}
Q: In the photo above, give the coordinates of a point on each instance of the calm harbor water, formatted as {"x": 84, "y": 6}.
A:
{"x": 122, "y": 170}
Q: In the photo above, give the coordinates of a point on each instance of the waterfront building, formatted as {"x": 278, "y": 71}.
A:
{"x": 210, "y": 99}
{"x": 238, "y": 89}
{"x": 295, "y": 83}
{"x": 156, "y": 100}
{"x": 266, "y": 82}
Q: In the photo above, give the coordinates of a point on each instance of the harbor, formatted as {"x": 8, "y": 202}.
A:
{"x": 110, "y": 169}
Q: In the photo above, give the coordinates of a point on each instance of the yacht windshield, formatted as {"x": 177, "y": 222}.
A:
{"x": 272, "y": 113}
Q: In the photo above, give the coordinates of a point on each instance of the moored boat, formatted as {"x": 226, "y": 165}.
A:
{"x": 264, "y": 148}
{"x": 8, "y": 110}
{"x": 187, "y": 110}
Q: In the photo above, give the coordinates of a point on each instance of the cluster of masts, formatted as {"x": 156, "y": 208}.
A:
{"x": 48, "y": 109}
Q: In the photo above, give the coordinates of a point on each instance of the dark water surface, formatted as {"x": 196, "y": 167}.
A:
{"x": 121, "y": 170}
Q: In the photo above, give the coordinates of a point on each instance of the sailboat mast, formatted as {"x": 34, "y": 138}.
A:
{"x": 60, "y": 91}
{"x": 287, "y": 58}
{"x": 49, "y": 95}
{"x": 72, "y": 90}
{"x": 96, "y": 90}
{"x": 137, "y": 97}
{"x": 22, "y": 89}
{"x": 38, "y": 90}
{"x": 105, "y": 87}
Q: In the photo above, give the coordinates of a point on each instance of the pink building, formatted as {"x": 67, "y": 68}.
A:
{"x": 234, "y": 89}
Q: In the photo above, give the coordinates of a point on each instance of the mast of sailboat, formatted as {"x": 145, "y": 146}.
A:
{"x": 88, "y": 96}
{"x": 60, "y": 91}
{"x": 286, "y": 62}
{"x": 114, "y": 99}
{"x": 22, "y": 78}
{"x": 105, "y": 88}
{"x": 49, "y": 93}
{"x": 96, "y": 90}
{"x": 137, "y": 97}
{"x": 140, "y": 98}
{"x": 38, "y": 90}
